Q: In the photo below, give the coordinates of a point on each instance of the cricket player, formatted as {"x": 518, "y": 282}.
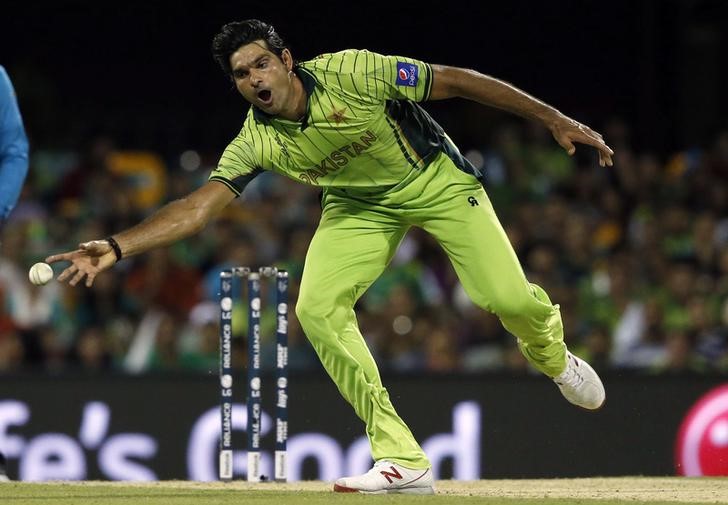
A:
{"x": 350, "y": 123}
{"x": 13, "y": 166}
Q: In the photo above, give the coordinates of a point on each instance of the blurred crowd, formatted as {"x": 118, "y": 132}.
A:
{"x": 635, "y": 255}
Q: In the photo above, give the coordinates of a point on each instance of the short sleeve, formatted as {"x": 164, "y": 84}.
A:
{"x": 237, "y": 165}
{"x": 400, "y": 78}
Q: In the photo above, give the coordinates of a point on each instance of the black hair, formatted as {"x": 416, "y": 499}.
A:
{"x": 238, "y": 33}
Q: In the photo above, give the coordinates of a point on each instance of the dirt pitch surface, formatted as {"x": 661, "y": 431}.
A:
{"x": 670, "y": 489}
{"x": 622, "y": 489}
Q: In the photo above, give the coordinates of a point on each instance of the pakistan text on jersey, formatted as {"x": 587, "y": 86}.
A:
{"x": 338, "y": 158}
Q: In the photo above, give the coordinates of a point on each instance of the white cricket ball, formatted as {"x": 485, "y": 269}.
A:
{"x": 40, "y": 274}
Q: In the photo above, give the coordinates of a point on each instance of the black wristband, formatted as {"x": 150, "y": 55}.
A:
{"x": 115, "y": 246}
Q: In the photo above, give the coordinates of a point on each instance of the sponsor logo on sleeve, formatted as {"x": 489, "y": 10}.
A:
{"x": 407, "y": 74}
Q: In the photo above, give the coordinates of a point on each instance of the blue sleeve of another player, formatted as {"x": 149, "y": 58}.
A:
{"x": 13, "y": 147}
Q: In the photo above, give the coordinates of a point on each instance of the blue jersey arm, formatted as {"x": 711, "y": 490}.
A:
{"x": 13, "y": 147}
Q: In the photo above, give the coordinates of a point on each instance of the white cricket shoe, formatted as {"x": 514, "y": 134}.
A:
{"x": 387, "y": 477}
{"x": 580, "y": 384}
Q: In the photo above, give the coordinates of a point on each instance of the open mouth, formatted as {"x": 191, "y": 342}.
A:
{"x": 264, "y": 95}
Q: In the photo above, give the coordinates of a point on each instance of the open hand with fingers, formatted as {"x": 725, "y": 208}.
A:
{"x": 89, "y": 260}
{"x": 566, "y": 131}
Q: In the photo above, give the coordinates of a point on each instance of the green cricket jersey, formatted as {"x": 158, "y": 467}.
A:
{"x": 362, "y": 130}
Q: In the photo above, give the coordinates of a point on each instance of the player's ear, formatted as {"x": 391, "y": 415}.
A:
{"x": 287, "y": 59}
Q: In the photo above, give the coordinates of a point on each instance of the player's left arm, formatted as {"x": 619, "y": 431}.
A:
{"x": 449, "y": 82}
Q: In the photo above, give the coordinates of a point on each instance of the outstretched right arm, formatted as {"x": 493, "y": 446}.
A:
{"x": 176, "y": 220}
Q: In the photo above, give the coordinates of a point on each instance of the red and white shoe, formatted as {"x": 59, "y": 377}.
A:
{"x": 387, "y": 477}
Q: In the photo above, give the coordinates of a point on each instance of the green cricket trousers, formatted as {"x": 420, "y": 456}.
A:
{"x": 359, "y": 233}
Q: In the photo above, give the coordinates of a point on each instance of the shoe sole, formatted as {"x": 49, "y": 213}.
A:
{"x": 401, "y": 490}
{"x": 595, "y": 409}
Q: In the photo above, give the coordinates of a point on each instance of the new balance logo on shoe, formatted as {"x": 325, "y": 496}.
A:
{"x": 389, "y": 475}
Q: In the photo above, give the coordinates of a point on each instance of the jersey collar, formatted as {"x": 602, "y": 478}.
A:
{"x": 309, "y": 82}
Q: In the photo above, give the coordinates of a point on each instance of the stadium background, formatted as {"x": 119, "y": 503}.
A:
{"x": 125, "y": 110}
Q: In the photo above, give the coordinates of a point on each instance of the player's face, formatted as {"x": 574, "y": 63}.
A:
{"x": 262, "y": 77}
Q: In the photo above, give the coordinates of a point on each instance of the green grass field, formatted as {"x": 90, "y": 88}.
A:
{"x": 607, "y": 491}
